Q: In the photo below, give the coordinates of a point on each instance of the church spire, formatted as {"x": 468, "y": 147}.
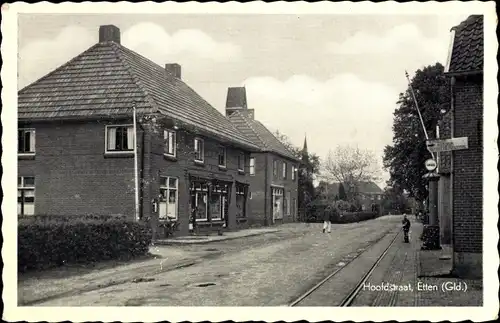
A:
{"x": 304, "y": 149}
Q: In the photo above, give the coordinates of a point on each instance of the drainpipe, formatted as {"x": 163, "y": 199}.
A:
{"x": 136, "y": 171}
{"x": 452, "y": 171}
{"x": 266, "y": 182}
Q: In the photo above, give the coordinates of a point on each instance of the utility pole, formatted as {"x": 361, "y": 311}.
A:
{"x": 431, "y": 231}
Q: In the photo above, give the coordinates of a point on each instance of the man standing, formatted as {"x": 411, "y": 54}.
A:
{"x": 406, "y": 228}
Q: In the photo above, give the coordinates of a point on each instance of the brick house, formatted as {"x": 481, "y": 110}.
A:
{"x": 77, "y": 141}
{"x": 273, "y": 170}
{"x": 461, "y": 171}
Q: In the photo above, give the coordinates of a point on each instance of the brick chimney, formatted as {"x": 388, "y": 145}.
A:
{"x": 109, "y": 33}
{"x": 173, "y": 69}
{"x": 237, "y": 101}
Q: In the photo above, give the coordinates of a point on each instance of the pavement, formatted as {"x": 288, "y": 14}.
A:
{"x": 212, "y": 238}
{"x": 421, "y": 278}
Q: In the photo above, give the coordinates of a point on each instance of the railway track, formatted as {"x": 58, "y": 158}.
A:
{"x": 349, "y": 299}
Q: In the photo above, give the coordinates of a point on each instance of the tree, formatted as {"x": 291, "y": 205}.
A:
{"x": 351, "y": 166}
{"x": 342, "y": 195}
{"x": 405, "y": 158}
{"x": 313, "y": 159}
{"x": 308, "y": 170}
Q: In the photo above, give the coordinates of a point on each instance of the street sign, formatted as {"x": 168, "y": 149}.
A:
{"x": 440, "y": 145}
{"x": 430, "y": 164}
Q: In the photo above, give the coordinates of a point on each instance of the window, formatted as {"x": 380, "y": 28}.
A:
{"x": 284, "y": 170}
{"x": 199, "y": 154}
{"x": 240, "y": 201}
{"x": 170, "y": 142}
{"x": 222, "y": 156}
{"x": 26, "y": 195}
{"x": 241, "y": 162}
{"x": 277, "y": 206}
{"x": 119, "y": 138}
{"x": 26, "y": 141}
{"x": 169, "y": 197}
{"x": 252, "y": 166}
{"x": 294, "y": 172}
{"x": 219, "y": 202}
{"x": 275, "y": 168}
{"x": 199, "y": 200}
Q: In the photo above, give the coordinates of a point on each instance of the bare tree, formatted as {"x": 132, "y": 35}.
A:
{"x": 351, "y": 166}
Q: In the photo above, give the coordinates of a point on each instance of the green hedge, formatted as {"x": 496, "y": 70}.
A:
{"x": 51, "y": 241}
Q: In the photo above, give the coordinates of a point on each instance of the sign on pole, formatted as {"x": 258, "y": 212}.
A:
{"x": 430, "y": 164}
{"x": 440, "y": 145}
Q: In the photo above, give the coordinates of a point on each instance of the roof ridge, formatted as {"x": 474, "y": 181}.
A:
{"x": 57, "y": 69}
{"x": 116, "y": 51}
{"x": 245, "y": 119}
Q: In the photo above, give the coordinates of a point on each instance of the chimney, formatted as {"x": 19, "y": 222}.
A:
{"x": 173, "y": 69}
{"x": 237, "y": 101}
{"x": 109, "y": 33}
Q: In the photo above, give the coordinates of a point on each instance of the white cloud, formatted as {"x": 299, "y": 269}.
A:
{"x": 154, "y": 42}
{"x": 341, "y": 110}
{"x": 403, "y": 42}
{"x": 41, "y": 56}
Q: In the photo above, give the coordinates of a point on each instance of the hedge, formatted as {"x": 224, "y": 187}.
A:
{"x": 317, "y": 212}
{"x": 52, "y": 241}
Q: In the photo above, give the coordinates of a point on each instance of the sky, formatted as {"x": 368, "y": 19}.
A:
{"x": 332, "y": 78}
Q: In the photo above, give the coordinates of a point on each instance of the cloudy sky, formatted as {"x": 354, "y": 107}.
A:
{"x": 335, "y": 78}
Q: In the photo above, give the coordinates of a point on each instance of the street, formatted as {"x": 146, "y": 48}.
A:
{"x": 266, "y": 270}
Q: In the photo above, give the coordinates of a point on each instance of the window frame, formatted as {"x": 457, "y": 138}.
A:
{"x": 294, "y": 170}
{"x": 203, "y": 189}
{"x": 167, "y": 133}
{"x": 168, "y": 188}
{"x": 275, "y": 168}
{"x": 106, "y": 143}
{"x": 241, "y": 162}
{"x": 202, "y": 153}
{"x": 224, "y": 150}
{"x": 23, "y": 188}
{"x": 32, "y": 132}
{"x": 223, "y": 195}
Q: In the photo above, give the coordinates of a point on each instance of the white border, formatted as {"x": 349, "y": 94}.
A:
{"x": 127, "y": 314}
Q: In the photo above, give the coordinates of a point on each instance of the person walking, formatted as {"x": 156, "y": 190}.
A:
{"x": 406, "y": 228}
{"x": 328, "y": 217}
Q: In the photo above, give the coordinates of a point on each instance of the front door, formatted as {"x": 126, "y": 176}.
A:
{"x": 277, "y": 203}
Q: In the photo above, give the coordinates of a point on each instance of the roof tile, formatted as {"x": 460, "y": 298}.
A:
{"x": 468, "y": 46}
{"x": 260, "y": 135}
{"x": 108, "y": 80}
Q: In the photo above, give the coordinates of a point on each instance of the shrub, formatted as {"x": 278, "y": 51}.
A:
{"x": 351, "y": 217}
{"x": 51, "y": 241}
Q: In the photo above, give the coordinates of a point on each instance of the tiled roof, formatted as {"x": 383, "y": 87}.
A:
{"x": 260, "y": 135}
{"x": 468, "y": 46}
{"x": 107, "y": 80}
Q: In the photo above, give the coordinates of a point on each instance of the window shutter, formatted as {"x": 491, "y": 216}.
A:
{"x": 32, "y": 141}
{"x": 130, "y": 138}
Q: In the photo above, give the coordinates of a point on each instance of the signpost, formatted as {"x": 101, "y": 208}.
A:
{"x": 430, "y": 164}
{"x": 440, "y": 145}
